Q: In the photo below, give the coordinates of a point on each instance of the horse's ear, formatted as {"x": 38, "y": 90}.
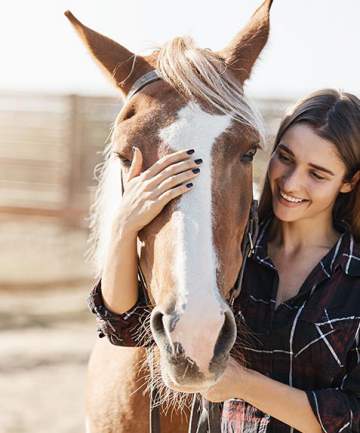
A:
{"x": 121, "y": 65}
{"x": 242, "y": 52}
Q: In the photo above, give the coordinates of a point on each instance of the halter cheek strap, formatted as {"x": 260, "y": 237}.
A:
{"x": 248, "y": 248}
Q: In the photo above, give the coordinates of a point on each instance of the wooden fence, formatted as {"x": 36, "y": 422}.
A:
{"x": 49, "y": 146}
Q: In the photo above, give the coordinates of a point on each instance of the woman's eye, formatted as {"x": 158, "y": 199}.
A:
{"x": 317, "y": 176}
{"x": 283, "y": 157}
{"x": 249, "y": 156}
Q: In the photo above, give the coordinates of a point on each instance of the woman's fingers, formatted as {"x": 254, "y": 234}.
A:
{"x": 172, "y": 193}
{"x": 173, "y": 174}
{"x": 136, "y": 164}
{"x": 177, "y": 179}
{"x": 164, "y": 162}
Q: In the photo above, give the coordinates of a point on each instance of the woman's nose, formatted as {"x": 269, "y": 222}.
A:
{"x": 292, "y": 181}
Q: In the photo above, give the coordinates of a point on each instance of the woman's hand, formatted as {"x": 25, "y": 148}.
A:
{"x": 147, "y": 193}
{"x": 228, "y": 385}
{"x": 283, "y": 402}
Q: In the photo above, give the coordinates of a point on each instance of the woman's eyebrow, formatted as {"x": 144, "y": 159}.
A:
{"x": 317, "y": 167}
{"x": 282, "y": 146}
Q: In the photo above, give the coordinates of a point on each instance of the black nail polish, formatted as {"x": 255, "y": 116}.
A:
{"x": 189, "y": 152}
{"x": 196, "y": 170}
{"x": 189, "y": 185}
{"x": 198, "y": 161}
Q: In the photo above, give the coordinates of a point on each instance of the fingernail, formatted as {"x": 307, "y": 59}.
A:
{"x": 198, "y": 161}
{"x": 196, "y": 170}
{"x": 189, "y": 185}
{"x": 189, "y": 152}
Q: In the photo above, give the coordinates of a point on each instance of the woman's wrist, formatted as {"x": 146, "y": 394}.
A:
{"x": 123, "y": 231}
{"x": 245, "y": 380}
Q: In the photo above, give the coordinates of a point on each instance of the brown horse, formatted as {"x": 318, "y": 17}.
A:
{"x": 190, "y": 253}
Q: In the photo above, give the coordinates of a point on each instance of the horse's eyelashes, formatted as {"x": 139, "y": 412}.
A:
{"x": 130, "y": 113}
{"x": 249, "y": 156}
{"x": 123, "y": 160}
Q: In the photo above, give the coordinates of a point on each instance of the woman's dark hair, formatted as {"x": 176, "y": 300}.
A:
{"x": 334, "y": 116}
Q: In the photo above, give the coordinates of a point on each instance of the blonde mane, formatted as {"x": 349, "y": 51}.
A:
{"x": 198, "y": 74}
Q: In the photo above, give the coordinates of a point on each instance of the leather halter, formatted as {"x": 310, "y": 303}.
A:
{"x": 204, "y": 415}
{"x": 143, "y": 81}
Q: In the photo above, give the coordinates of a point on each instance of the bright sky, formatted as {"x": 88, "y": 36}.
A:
{"x": 313, "y": 43}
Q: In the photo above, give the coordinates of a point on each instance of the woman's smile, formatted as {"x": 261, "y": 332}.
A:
{"x": 289, "y": 200}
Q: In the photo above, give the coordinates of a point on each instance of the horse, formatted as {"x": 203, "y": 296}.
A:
{"x": 190, "y": 254}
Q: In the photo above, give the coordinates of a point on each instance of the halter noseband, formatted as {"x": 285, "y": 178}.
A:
{"x": 247, "y": 249}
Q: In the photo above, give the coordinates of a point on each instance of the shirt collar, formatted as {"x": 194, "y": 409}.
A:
{"x": 260, "y": 249}
{"x": 345, "y": 253}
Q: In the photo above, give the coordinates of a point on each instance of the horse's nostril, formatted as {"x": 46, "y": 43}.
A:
{"x": 227, "y": 335}
{"x": 157, "y": 324}
{"x": 161, "y": 326}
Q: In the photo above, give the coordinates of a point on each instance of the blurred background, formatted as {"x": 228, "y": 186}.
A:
{"x": 56, "y": 110}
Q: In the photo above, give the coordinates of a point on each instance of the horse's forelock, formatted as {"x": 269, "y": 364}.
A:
{"x": 201, "y": 74}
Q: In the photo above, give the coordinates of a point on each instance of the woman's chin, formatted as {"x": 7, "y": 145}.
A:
{"x": 284, "y": 217}
{"x": 287, "y": 214}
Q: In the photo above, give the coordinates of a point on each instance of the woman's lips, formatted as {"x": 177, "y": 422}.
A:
{"x": 288, "y": 203}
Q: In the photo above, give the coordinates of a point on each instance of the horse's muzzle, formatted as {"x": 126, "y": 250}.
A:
{"x": 194, "y": 357}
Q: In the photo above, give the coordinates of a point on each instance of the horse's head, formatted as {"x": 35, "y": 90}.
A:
{"x": 191, "y": 252}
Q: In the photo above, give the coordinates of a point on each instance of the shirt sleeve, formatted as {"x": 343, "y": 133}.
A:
{"x": 338, "y": 409}
{"x": 128, "y": 329}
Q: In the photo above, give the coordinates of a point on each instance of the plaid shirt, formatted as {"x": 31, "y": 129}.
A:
{"x": 310, "y": 342}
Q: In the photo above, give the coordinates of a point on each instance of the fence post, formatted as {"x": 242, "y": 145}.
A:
{"x": 71, "y": 208}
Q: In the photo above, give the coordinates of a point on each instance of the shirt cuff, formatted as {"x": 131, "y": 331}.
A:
{"x": 126, "y": 329}
{"x": 96, "y": 305}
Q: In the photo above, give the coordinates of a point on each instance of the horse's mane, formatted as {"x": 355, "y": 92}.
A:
{"x": 103, "y": 209}
{"x": 198, "y": 74}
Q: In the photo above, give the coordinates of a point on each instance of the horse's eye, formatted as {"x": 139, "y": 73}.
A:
{"x": 249, "y": 156}
{"x": 123, "y": 160}
{"x": 129, "y": 113}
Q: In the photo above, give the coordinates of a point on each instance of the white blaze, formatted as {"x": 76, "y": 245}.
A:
{"x": 198, "y": 301}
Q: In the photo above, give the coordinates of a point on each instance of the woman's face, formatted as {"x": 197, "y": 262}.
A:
{"x": 305, "y": 174}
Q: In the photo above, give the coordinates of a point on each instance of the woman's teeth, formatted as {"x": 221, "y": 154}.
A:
{"x": 290, "y": 198}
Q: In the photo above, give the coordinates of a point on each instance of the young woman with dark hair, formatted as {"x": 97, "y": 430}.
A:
{"x": 301, "y": 291}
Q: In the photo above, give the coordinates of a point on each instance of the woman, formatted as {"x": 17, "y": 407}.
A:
{"x": 301, "y": 291}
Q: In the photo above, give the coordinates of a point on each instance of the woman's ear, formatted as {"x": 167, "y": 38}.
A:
{"x": 349, "y": 186}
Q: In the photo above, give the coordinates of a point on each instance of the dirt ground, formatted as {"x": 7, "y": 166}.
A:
{"x": 46, "y": 331}
{"x": 43, "y": 362}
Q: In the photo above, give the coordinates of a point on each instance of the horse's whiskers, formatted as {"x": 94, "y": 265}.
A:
{"x": 165, "y": 398}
